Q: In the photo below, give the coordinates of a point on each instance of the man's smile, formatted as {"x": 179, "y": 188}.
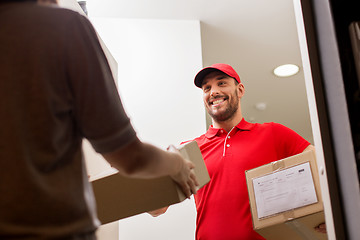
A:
{"x": 217, "y": 101}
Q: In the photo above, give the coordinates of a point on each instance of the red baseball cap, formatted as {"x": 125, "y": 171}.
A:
{"x": 225, "y": 68}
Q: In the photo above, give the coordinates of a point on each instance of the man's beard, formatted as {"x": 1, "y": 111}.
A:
{"x": 229, "y": 112}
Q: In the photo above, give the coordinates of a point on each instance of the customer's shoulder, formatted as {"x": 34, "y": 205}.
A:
{"x": 58, "y": 14}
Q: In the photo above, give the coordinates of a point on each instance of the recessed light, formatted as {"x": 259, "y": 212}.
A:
{"x": 261, "y": 106}
{"x": 286, "y": 70}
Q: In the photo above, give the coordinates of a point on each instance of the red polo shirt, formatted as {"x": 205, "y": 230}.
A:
{"x": 223, "y": 210}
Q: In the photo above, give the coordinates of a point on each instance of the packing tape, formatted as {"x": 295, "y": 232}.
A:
{"x": 302, "y": 230}
{"x": 289, "y": 215}
{"x": 278, "y": 165}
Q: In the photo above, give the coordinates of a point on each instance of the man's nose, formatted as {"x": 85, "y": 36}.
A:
{"x": 214, "y": 91}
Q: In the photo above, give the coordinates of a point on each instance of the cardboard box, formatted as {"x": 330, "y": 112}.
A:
{"x": 285, "y": 198}
{"x": 119, "y": 197}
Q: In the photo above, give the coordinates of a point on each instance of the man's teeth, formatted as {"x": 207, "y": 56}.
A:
{"x": 217, "y": 101}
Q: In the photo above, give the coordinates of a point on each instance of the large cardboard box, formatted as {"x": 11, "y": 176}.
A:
{"x": 119, "y": 197}
{"x": 285, "y": 198}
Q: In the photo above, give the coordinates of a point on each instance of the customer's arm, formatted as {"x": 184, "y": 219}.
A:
{"x": 142, "y": 160}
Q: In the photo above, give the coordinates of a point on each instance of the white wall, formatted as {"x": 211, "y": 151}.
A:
{"x": 157, "y": 61}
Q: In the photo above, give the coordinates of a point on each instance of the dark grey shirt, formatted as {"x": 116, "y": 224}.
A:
{"x": 56, "y": 88}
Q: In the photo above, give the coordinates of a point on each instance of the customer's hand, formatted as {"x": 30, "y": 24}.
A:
{"x": 185, "y": 176}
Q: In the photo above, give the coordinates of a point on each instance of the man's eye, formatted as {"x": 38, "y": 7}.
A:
{"x": 205, "y": 89}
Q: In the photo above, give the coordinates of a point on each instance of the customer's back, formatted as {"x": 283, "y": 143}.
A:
{"x": 44, "y": 190}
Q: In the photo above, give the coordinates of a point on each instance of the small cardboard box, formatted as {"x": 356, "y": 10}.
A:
{"x": 285, "y": 198}
{"x": 119, "y": 197}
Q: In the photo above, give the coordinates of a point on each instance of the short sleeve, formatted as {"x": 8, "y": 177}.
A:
{"x": 288, "y": 142}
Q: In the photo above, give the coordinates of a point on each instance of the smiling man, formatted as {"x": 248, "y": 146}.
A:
{"x": 221, "y": 94}
{"x": 229, "y": 148}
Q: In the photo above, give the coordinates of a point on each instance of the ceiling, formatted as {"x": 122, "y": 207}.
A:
{"x": 254, "y": 36}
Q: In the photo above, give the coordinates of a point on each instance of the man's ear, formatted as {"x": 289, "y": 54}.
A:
{"x": 241, "y": 90}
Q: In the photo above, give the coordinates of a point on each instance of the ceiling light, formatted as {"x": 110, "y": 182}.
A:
{"x": 286, "y": 70}
{"x": 261, "y": 106}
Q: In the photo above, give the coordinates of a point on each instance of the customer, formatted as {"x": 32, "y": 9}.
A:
{"x": 56, "y": 89}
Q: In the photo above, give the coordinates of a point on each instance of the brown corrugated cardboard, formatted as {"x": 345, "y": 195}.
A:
{"x": 119, "y": 197}
{"x": 297, "y": 223}
{"x": 297, "y": 229}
